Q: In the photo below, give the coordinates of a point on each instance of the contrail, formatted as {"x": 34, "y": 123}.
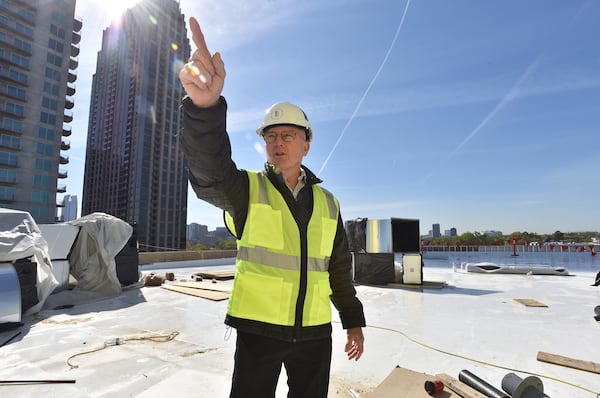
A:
{"x": 514, "y": 91}
{"x": 512, "y": 94}
{"x": 367, "y": 90}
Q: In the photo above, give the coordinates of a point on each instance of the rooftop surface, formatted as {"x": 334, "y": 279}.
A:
{"x": 174, "y": 344}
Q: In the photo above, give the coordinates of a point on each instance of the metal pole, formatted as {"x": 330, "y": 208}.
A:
{"x": 480, "y": 385}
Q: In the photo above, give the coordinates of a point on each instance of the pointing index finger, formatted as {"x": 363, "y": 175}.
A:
{"x": 198, "y": 38}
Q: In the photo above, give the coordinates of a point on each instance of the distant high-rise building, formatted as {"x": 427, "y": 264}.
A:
{"x": 196, "y": 231}
{"x": 223, "y": 233}
{"x": 436, "y": 231}
{"x": 69, "y": 211}
{"x": 39, "y": 45}
{"x": 134, "y": 168}
{"x": 450, "y": 232}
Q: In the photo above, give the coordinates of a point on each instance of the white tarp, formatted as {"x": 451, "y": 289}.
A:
{"x": 92, "y": 259}
{"x": 20, "y": 238}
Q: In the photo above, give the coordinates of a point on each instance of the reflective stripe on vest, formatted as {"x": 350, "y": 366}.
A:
{"x": 267, "y": 282}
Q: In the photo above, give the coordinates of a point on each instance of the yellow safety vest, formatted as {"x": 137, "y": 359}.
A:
{"x": 268, "y": 265}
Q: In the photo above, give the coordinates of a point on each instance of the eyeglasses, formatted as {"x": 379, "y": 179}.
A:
{"x": 287, "y": 136}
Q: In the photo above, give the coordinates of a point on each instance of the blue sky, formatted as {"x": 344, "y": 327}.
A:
{"x": 478, "y": 115}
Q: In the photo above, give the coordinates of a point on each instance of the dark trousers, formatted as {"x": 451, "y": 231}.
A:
{"x": 258, "y": 363}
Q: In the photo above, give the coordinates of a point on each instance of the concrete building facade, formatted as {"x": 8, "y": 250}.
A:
{"x": 134, "y": 168}
{"x": 39, "y": 46}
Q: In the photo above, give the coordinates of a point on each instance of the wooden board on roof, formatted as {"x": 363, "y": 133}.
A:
{"x": 207, "y": 294}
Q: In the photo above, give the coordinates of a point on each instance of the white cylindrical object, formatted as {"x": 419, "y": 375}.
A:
{"x": 10, "y": 294}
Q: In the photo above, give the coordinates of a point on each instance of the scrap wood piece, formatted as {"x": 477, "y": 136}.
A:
{"x": 406, "y": 383}
{"x": 459, "y": 387}
{"x": 530, "y": 302}
{"x": 207, "y": 294}
{"x": 588, "y": 366}
{"x": 203, "y": 285}
{"x": 218, "y": 275}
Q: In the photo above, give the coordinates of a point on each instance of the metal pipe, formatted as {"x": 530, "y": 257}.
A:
{"x": 70, "y": 381}
{"x": 480, "y": 385}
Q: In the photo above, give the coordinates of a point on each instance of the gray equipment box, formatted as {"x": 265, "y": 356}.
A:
{"x": 373, "y": 268}
{"x": 393, "y": 235}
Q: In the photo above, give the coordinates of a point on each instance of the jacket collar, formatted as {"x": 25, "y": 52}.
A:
{"x": 274, "y": 174}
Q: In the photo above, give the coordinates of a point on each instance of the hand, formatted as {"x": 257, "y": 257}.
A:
{"x": 355, "y": 343}
{"x": 203, "y": 76}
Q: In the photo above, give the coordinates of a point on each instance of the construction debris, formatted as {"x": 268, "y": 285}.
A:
{"x": 530, "y": 302}
{"x": 153, "y": 279}
{"x": 588, "y": 366}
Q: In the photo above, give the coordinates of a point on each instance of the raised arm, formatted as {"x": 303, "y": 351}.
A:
{"x": 203, "y": 76}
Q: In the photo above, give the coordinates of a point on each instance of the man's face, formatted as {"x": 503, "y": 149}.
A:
{"x": 286, "y": 146}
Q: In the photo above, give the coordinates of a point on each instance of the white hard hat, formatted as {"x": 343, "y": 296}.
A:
{"x": 286, "y": 113}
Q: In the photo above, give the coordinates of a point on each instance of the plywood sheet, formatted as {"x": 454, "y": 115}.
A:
{"x": 462, "y": 389}
{"x": 406, "y": 383}
{"x": 206, "y": 285}
{"x": 530, "y": 302}
{"x": 207, "y": 294}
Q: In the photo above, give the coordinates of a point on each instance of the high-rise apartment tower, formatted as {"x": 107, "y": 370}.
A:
{"x": 134, "y": 168}
{"x": 39, "y": 45}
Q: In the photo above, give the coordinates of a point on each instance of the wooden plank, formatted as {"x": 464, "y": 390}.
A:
{"x": 218, "y": 287}
{"x": 530, "y": 302}
{"x": 406, "y": 383}
{"x": 218, "y": 275}
{"x": 588, "y": 366}
{"x": 459, "y": 387}
{"x": 207, "y": 294}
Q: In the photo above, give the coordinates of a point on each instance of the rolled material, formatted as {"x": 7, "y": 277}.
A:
{"x": 530, "y": 387}
{"x": 480, "y": 385}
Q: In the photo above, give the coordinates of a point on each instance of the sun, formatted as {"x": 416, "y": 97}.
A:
{"x": 115, "y": 8}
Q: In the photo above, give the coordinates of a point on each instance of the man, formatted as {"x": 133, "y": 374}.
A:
{"x": 293, "y": 256}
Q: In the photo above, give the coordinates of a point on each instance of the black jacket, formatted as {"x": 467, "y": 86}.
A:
{"x": 216, "y": 179}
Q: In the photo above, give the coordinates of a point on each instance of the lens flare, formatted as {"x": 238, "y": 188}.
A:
{"x": 196, "y": 72}
{"x": 193, "y": 69}
{"x": 153, "y": 19}
{"x": 174, "y": 46}
{"x": 177, "y": 65}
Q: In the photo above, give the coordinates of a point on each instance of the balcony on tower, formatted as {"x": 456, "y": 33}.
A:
{"x": 77, "y": 24}
{"x": 73, "y": 63}
{"x": 74, "y": 50}
{"x": 66, "y": 131}
{"x": 71, "y": 90}
{"x": 72, "y": 77}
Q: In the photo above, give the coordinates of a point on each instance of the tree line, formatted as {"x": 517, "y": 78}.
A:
{"x": 521, "y": 238}
{"x": 468, "y": 238}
